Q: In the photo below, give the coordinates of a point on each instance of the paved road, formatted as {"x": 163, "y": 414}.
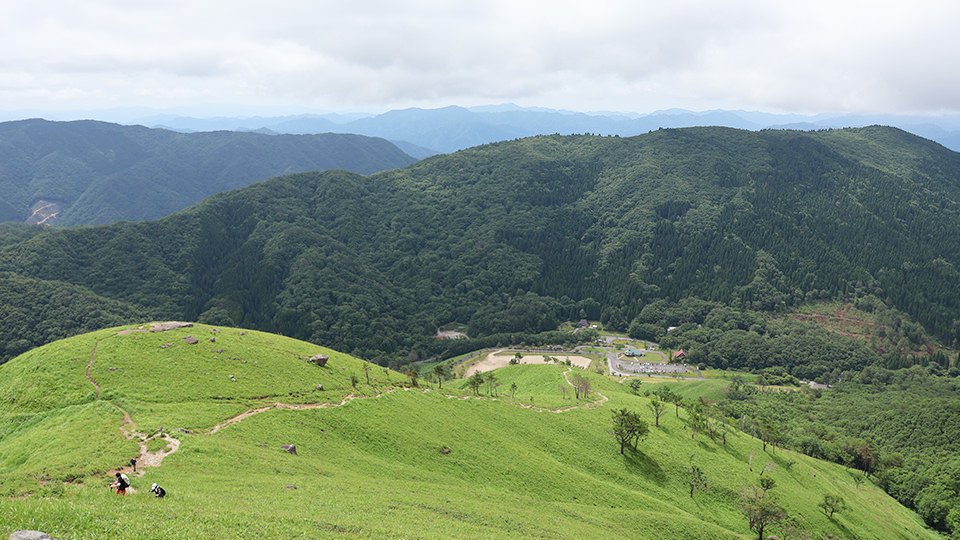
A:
{"x": 650, "y": 369}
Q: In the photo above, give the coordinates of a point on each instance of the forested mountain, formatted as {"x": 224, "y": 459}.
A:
{"x": 87, "y": 173}
{"x": 515, "y": 237}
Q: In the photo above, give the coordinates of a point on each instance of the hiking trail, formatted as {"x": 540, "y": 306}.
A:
{"x": 146, "y": 458}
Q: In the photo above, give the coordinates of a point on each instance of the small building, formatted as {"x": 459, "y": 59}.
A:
{"x": 633, "y": 353}
{"x": 679, "y": 354}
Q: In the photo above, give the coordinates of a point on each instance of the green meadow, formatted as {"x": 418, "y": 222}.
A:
{"x": 374, "y": 460}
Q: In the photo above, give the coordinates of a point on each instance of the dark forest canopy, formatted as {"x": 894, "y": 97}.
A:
{"x": 88, "y": 173}
{"x": 516, "y": 237}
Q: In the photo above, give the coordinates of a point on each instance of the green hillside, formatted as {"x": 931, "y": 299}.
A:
{"x": 377, "y": 460}
{"x": 87, "y": 173}
{"x": 509, "y": 240}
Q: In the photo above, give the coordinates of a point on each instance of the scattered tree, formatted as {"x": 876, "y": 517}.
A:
{"x": 769, "y": 434}
{"x": 658, "y": 408}
{"x": 669, "y": 396}
{"x": 697, "y": 480}
{"x": 474, "y": 382}
{"x": 720, "y": 428}
{"x": 628, "y": 428}
{"x": 858, "y": 478}
{"x": 492, "y": 383}
{"x": 440, "y": 372}
{"x": 767, "y": 483}
{"x": 581, "y": 386}
{"x": 760, "y": 510}
{"x": 634, "y": 386}
{"x": 832, "y": 504}
{"x": 698, "y": 420}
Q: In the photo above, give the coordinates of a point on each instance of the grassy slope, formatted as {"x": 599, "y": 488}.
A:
{"x": 371, "y": 468}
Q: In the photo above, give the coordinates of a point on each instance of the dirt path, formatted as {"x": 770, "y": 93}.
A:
{"x": 242, "y": 416}
{"x": 154, "y": 459}
{"x": 93, "y": 353}
{"x": 350, "y": 397}
{"x": 145, "y": 458}
{"x": 289, "y": 406}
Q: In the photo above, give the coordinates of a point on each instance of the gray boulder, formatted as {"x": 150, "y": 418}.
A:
{"x": 319, "y": 359}
{"x": 31, "y": 535}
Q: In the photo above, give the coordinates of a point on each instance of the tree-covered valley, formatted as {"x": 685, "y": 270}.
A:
{"x": 825, "y": 255}
{"x": 516, "y": 237}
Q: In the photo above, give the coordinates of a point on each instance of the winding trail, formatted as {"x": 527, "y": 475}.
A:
{"x": 154, "y": 459}
{"x": 145, "y": 458}
{"x": 292, "y": 406}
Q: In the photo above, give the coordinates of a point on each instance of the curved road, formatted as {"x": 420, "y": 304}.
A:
{"x": 613, "y": 358}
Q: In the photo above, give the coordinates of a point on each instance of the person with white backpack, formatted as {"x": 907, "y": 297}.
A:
{"x": 121, "y": 483}
{"x": 158, "y": 491}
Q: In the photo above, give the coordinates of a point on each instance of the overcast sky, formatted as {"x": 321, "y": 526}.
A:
{"x": 806, "y": 56}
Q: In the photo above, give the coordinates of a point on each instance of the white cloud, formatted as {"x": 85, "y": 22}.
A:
{"x": 608, "y": 54}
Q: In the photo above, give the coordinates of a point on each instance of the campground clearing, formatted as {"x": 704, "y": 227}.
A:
{"x": 499, "y": 359}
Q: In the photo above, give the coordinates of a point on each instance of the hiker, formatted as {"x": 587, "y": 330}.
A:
{"x": 121, "y": 483}
{"x": 157, "y": 490}
{"x": 133, "y": 461}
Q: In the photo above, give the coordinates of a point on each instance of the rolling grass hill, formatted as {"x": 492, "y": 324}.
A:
{"x": 374, "y": 460}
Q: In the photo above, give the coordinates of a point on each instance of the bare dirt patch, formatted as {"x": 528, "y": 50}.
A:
{"x": 156, "y": 327}
{"x": 502, "y": 359}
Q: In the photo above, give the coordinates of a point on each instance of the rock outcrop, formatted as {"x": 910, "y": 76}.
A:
{"x": 31, "y": 535}
{"x": 319, "y": 359}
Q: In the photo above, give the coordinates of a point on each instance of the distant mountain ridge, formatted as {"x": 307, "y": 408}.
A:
{"x": 449, "y": 129}
{"x": 89, "y": 172}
